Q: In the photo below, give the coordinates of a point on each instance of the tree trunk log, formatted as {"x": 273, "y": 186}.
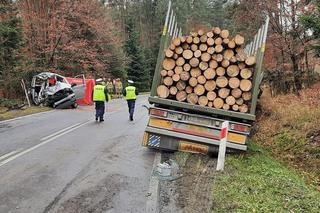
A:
{"x": 221, "y": 71}
{"x": 239, "y": 40}
{"x": 176, "y": 41}
{"x": 201, "y": 79}
{"x": 168, "y": 81}
{"x": 219, "y": 48}
{"x": 213, "y": 64}
{"x": 222, "y": 81}
{"x": 234, "y": 83}
{"x": 209, "y": 73}
{"x": 163, "y": 73}
{"x": 194, "y": 47}
{"x": 211, "y": 95}
{"x": 236, "y": 93}
{"x": 227, "y": 54}
{"x": 210, "y": 50}
{"x": 168, "y": 64}
{"x": 180, "y": 61}
{"x": 203, "y": 47}
{"x": 247, "y": 96}
{"x": 218, "y": 41}
{"x": 224, "y": 34}
{"x": 210, "y": 41}
{"x": 246, "y": 73}
{"x": 223, "y": 93}
{"x": 181, "y": 85}
{"x": 245, "y": 85}
{"x": 186, "y": 67}
{"x": 173, "y": 90}
{"x": 163, "y": 91}
{"x": 225, "y": 63}
{"x": 235, "y": 107}
{"x": 176, "y": 77}
{"x": 192, "y": 98}
{"x": 197, "y": 53}
{"x": 199, "y": 90}
{"x": 210, "y": 34}
{"x": 178, "y": 50}
{"x": 189, "y": 89}
{"x": 184, "y": 76}
{"x": 194, "y": 62}
{"x": 233, "y": 70}
{"x": 195, "y": 72}
{"x": 169, "y": 53}
{"x": 216, "y": 30}
{"x": 196, "y": 40}
{"x": 218, "y": 103}
{"x": 187, "y": 54}
{"x": 243, "y": 108}
{"x": 203, "y": 38}
{"x": 210, "y": 85}
{"x": 178, "y": 70}
{"x": 203, "y": 65}
{"x": 203, "y": 101}
{"x": 239, "y": 101}
{"x": 250, "y": 61}
{"x": 230, "y": 100}
{"x": 231, "y": 44}
{"x": 181, "y": 96}
{"x": 170, "y": 73}
{"x": 193, "y": 81}
{"x": 226, "y": 106}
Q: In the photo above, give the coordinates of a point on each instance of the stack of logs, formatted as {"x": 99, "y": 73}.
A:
{"x": 209, "y": 69}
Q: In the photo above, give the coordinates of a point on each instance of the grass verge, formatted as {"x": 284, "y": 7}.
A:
{"x": 256, "y": 182}
{"x": 5, "y": 115}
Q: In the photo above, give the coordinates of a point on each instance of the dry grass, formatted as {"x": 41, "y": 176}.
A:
{"x": 289, "y": 126}
{"x": 5, "y": 115}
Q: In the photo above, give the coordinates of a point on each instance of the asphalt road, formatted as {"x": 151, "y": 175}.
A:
{"x": 64, "y": 161}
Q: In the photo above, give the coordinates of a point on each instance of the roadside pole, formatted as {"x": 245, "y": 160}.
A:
{"x": 222, "y": 146}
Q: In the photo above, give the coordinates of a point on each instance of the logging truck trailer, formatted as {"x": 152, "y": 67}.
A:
{"x": 182, "y": 126}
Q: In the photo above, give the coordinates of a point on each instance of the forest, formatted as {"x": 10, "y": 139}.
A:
{"x": 120, "y": 38}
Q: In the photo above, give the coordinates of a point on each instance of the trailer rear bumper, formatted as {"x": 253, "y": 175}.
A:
{"x": 168, "y": 140}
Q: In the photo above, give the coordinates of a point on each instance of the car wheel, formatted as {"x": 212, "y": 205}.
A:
{"x": 75, "y": 105}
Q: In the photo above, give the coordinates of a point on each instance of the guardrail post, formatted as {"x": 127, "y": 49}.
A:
{"x": 222, "y": 146}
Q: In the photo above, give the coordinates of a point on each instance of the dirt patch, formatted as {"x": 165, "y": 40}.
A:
{"x": 192, "y": 191}
{"x": 96, "y": 199}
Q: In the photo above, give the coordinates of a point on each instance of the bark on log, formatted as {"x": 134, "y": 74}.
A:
{"x": 203, "y": 65}
{"x": 193, "y": 81}
{"x": 184, "y": 76}
{"x": 187, "y": 54}
{"x": 205, "y": 57}
{"x": 195, "y": 72}
{"x": 220, "y": 71}
{"x": 169, "y": 53}
{"x": 233, "y": 70}
{"x": 168, "y": 64}
{"x": 192, "y": 98}
{"x": 234, "y": 83}
{"x": 236, "y": 93}
{"x": 211, "y": 95}
{"x": 218, "y": 103}
{"x": 203, "y": 101}
{"x": 223, "y": 93}
{"x": 163, "y": 73}
{"x": 180, "y": 61}
{"x": 209, "y": 73}
{"x": 181, "y": 96}
{"x": 176, "y": 77}
{"x": 173, "y": 90}
{"x": 201, "y": 79}
{"x": 245, "y": 85}
{"x": 194, "y": 62}
{"x": 199, "y": 90}
{"x": 181, "y": 85}
{"x": 163, "y": 91}
{"x": 246, "y": 73}
{"x": 168, "y": 81}
{"x": 230, "y": 100}
{"x": 189, "y": 89}
{"x": 210, "y": 85}
{"x": 247, "y": 96}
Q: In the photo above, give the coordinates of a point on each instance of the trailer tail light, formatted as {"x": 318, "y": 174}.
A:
{"x": 240, "y": 128}
{"x": 158, "y": 112}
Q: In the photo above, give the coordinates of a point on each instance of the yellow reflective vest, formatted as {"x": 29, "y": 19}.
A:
{"x": 98, "y": 93}
{"x": 130, "y": 93}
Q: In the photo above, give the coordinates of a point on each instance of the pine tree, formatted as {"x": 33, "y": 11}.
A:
{"x": 137, "y": 70}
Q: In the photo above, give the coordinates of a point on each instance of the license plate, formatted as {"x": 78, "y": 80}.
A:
{"x": 193, "y": 148}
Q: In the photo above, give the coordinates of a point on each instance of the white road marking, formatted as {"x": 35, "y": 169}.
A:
{"x": 41, "y": 144}
{"x": 60, "y": 131}
{"x": 8, "y": 154}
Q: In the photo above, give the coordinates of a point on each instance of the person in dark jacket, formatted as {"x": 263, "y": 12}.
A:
{"x": 130, "y": 93}
{"x": 100, "y": 96}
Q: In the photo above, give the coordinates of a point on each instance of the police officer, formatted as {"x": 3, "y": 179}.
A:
{"x": 99, "y": 96}
{"x": 130, "y": 93}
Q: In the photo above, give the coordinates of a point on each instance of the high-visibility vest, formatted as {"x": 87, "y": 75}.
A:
{"x": 98, "y": 93}
{"x": 131, "y": 93}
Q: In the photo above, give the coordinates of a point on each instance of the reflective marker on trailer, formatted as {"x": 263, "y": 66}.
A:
{"x": 222, "y": 146}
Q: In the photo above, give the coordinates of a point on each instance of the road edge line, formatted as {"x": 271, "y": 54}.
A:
{"x": 25, "y": 116}
{"x": 152, "y": 204}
